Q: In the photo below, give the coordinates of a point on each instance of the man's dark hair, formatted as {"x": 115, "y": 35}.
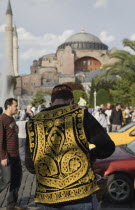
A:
{"x": 9, "y": 102}
{"x": 61, "y": 92}
{"x": 1, "y": 110}
{"x": 118, "y": 104}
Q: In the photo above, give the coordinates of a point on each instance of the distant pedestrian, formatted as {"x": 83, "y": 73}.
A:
{"x": 128, "y": 117}
{"x": 102, "y": 106}
{"x": 124, "y": 115}
{"x": 22, "y": 114}
{"x": 9, "y": 153}
{"x": 131, "y": 110}
{"x": 133, "y": 115}
{"x": 29, "y": 112}
{"x": 39, "y": 109}
{"x": 116, "y": 118}
{"x": 95, "y": 112}
{"x": 22, "y": 139}
{"x": 108, "y": 112}
{"x": 103, "y": 119}
{"x": 33, "y": 110}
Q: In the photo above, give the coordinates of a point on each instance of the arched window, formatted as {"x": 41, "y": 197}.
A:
{"x": 87, "y": 64}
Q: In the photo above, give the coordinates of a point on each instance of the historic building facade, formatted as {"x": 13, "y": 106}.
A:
{"x": 75, "y": 60}
{"x": 79, "y": 58}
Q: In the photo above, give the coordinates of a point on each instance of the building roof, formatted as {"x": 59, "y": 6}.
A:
{"x": 84, "y": 40}
{"x": 83, "y": 37}
{"x": 48, "y": 55}
{"x": 9, "y": 9}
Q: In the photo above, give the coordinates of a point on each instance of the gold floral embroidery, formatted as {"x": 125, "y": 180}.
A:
{"x": 62, "y": 167}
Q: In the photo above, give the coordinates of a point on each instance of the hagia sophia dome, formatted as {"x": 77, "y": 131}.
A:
{"x": 84, "y": 40}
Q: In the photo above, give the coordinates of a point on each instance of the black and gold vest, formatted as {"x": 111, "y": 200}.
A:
{"x": 60, "y": 152}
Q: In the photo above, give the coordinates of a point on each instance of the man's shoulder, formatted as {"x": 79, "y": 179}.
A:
{"x": 3, "y": 117}
{"x": 57, "y": 110}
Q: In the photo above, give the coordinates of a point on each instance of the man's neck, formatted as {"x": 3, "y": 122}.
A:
{"x": 61, "y": 102}
{"x": 8, "y": 113}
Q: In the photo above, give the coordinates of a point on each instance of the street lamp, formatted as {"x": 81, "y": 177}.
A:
{"x": 95, "y": 94}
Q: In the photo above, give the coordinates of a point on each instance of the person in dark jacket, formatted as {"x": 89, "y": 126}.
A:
{"x": 116, "y": 118}
{"x": 57, "y": 146}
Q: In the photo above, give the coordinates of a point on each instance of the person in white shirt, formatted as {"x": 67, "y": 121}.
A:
{"x": 103, "y": 118}
{"x": 133, "y": 115}
{"x": 22, "y": 138}
{"x": 34, "y": 110}
{"x": 108, "y": 112}
{"x": 95, "y": 112}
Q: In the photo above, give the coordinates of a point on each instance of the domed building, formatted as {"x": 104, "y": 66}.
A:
{"x": 79, "y": 58}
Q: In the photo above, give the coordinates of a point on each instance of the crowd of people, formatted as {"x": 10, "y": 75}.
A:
{"x": 112, "y": 118}
{"x": 53, "y": 143}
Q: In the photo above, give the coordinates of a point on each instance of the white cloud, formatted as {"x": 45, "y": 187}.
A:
{"x": 26, "y": 37}
{"x": 101, "y": 3}
{"x": 32, "y": 53}
{"x": 106, "y": 38}
{"x": 33, "y": 47}
{"x": 132, "y": 37}
{"x": 129, "y": 50}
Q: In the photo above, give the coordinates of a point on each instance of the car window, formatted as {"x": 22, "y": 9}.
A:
{"x": 126, "y": 127}
{"x": 129, "y": 148}
{"x": 132, "y": 133}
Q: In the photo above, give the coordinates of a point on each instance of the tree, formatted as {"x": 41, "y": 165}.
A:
{"x": 75, "y": 85}
{"x": 121, "y": 92}
{"x": 124, "y": 68}
{"x": 125, "y": 64}
{"x": 38, "y": 98}
{"x": 102, "y": 86}
{"x": 132, "y": 92}
{"x": 102, "y": 97}
{"x": 79, "y": 93}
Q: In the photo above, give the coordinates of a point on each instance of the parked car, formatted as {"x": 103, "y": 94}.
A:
{"x": 120, "y": 169}
{"x": 124, "y": 135}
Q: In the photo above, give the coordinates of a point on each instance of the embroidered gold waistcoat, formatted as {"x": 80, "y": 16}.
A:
{"x": 60, "y": 152}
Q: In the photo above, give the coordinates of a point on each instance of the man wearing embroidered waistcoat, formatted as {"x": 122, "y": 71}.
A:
{"x": 58, "y": 148}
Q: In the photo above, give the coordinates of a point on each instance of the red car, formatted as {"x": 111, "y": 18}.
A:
{"x": 120, "y": 169}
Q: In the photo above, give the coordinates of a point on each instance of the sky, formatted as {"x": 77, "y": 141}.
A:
{"x": 43, "y": 25}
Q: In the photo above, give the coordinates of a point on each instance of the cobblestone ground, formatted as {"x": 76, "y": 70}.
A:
{"x": 27, "y": 190}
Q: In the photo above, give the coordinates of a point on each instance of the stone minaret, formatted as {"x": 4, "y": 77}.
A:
{"x": 15, "y": 51}
{"x": 9, "y": 38}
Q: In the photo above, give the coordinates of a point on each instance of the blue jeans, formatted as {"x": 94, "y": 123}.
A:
{"x": 22, "y": 142}
{"x": 11, "y": 175}
{"x": 79, "y": 206}
{"x": 92, "y": 205}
